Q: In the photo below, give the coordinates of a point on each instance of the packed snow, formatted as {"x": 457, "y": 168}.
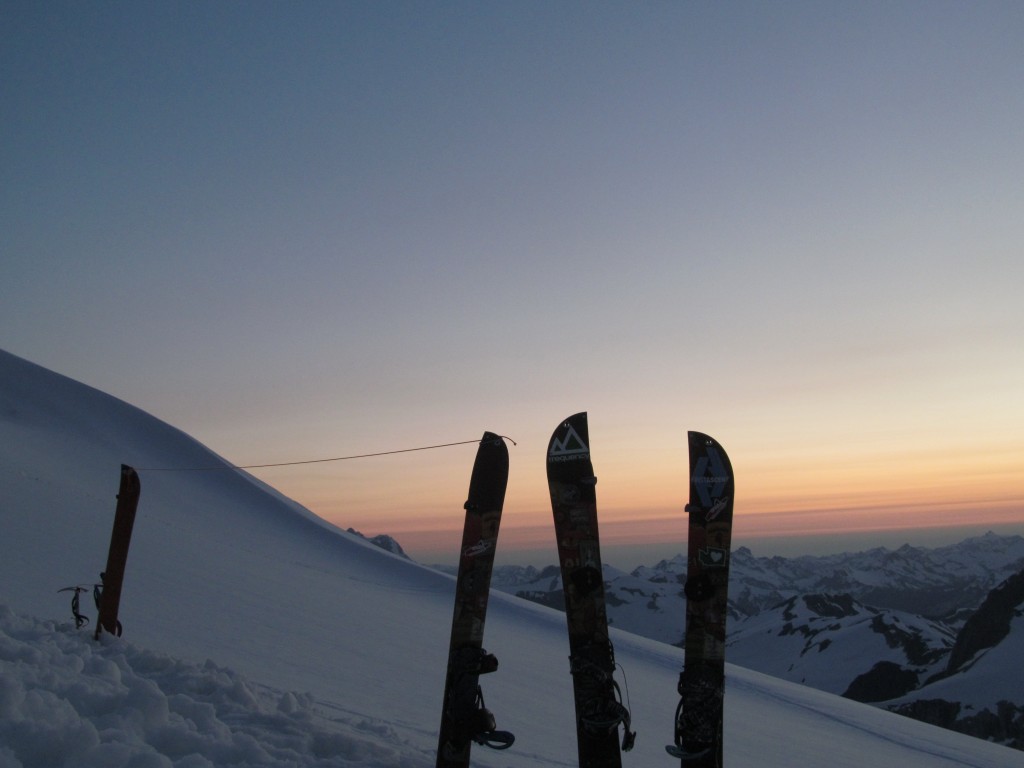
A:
{"x": 256, "y": 634}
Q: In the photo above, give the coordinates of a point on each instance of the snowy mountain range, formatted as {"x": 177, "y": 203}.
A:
{"x": 256, "y": 634}
{"x": 945, "y": 583}
{"x": 877, "y": 626}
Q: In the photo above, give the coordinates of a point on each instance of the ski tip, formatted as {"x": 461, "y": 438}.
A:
{"x": 570, "y": 440}
{"x": 492, "y": 439}
{"x": 575, "y": 420}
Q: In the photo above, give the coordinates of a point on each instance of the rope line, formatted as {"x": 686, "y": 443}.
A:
{"x": 314, "y": 461}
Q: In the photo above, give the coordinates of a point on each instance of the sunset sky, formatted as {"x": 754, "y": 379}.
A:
{"x": 317, "y": 229}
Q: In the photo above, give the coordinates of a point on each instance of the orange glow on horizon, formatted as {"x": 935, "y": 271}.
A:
{"x": 793, "y": 491}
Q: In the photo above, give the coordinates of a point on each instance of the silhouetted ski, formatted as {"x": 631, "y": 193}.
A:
{"x": 698, "y": 723}
{"x": 464, "y": 717}
{"x": 599, "y": 708}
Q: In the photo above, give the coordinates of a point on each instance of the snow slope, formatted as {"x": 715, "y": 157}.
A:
{"x": 324, "y": 649}
{"x": 829, "y": 640}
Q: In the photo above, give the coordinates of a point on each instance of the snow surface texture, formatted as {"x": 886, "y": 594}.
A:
{"x": 347, "y": 642}
{"x": 66, "y": 700}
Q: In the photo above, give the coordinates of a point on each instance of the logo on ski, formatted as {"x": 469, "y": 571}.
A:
{"x": 569, "y": 447}
{"x": 477, "y": 549}
{"x": 717, "y": 509}
{"x": 710, "y": 476}
{"x": 713, "y": 557}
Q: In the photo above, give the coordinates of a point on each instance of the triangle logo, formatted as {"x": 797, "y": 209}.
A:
{"x": 569, "y": 444}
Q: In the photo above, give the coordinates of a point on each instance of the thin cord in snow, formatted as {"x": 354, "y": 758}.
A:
{"x": 314, "y": 461}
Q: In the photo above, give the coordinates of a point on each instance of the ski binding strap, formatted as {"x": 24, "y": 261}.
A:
{"x": 484, "y": 726}
{"x": 685, "y": 756}
{"x": 495, "y": 739}
{"x": 80, "y": 619}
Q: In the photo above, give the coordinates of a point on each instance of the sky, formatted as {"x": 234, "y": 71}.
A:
{"x": 310, "y": 230}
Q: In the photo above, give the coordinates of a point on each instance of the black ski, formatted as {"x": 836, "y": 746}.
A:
{"x": 120, "y": 537}
{"x": 599, "y": 708}
{"x": 464, "y": 717}
{"x": 699, "y": 716}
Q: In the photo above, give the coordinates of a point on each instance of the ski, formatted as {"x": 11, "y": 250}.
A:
{"x": 120, "y": 537}
{"x": 699, "y": 716}
{"x": 465, "y": 719}
{"x": 599, "y": 707}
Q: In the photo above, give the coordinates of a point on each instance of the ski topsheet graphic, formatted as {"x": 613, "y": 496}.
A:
{"x": 464, "y": 717}
{"x": 120, "y": 537}
{"x": 599, "y": 708}
{"x": 699, "y": 716}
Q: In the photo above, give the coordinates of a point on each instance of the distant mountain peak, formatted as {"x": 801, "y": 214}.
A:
{"x": 383, "y": 541}
{"x": 988, "y": 625}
